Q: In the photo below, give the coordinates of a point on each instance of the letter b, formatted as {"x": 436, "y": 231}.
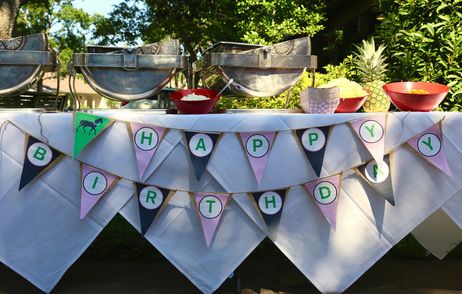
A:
{"x": 40, "y": 153}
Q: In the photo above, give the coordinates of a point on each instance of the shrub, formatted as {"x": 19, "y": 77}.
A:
{"x": 424, "y": 42}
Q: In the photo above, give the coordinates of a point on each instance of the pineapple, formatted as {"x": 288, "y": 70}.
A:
{"x": 372, "y": 67}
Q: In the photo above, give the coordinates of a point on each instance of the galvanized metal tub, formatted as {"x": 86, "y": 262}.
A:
{"x": 129, "y": 74}
{"x": 256, "y": 70}
{"x": 22, "y": 61}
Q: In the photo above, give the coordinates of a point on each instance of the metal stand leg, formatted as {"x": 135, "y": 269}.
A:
{"x": 237, "y": 282}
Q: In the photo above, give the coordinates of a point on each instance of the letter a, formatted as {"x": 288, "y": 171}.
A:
{"x": 201, "y": 144}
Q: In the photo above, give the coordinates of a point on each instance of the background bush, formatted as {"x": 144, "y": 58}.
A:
{"x": 424, "y": 42}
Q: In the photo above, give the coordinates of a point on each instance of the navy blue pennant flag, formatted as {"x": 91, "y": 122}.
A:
{"x": 151, "y": 200}
{"x": 379, "y": 178}
{"x": 270, "y": 205}
{"x": 39, "y": 157}
{"x": 313, "y": 142}
{"x": 200, "y": 146}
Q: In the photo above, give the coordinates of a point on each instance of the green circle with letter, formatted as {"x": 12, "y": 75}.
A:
{"x": 313, "y": 139}
{"x": 270, "y": 203}
{"x": 325, "y": 193}
{"x": 371, "y": 131}
{"x": 146, "y": 139}
{"x": 94, "y": 183}
{"x": 375, "y": 174}
{"x": 210, "y": 207}
{"x": 201, "y": 145}
{"x": 257, "y": 146}
{"x": 429, "y": 145}
{"x": 39, "y": 154}
{"x": 151, "y": 197}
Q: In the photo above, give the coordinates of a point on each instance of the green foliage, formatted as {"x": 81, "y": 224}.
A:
{"x": 269, "y": 21}
{"x": 66, "y": 26}
{"x": 424, "y": 42}
{"x": 123, "y": 25}
{"x": 198, "y": 24}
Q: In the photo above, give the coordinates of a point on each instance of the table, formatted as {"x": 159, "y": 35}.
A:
{"x": 41, "y": 234}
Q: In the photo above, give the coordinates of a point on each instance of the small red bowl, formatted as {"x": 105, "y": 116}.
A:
{"x": 405, "y": 101}
{"x": 348, "y": 105}
{"x": 195, "y": 107}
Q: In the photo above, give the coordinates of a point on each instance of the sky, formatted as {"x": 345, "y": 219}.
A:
{"x": 96, "y": 6}
{"x": 102, "y": 7}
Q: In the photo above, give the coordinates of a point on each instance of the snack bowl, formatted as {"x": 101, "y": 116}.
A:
{"x": 416, "y": 96}
{"x": 195, "y": 107}
{"x": 348, "y": 105}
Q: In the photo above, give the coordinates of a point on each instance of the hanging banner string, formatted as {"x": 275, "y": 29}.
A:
{"x": 231, "y": 192}
{"x": 208, "y": 131}
{"x": 41, "y": 127}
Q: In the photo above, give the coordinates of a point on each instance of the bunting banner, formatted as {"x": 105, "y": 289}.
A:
{"x": 371, "y": 131}
{"x": 95, "y": 183}
{"x": 146, "y": 139}
{"x": 313, "y": 142}
{"x": 210, "y": 207}
{"x": 151, "y": 201}
{"x": 38, "y": 158}
{"x": 429, "y": 145}
{"x": 326, "y": 192}
{"x": 257, "y": 147}
{"x": 87, "y": 128}
{"x": 270, "y": 205}
{"x": 379, "y": 178}
{"x": 200, "y": 146}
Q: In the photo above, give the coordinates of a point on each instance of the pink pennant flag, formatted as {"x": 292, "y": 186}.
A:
{"x": 257, "y": 147}
{"x": 371, "y": 131}
{"x": 210, "y": 207}
{"x": 325, "y": 192}
{"x": 146, "y": 139}
{"x": 95, "y": 183}
{"x": 429, "y": 145}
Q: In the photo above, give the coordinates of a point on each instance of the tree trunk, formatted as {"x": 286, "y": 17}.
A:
{"x": 8, "y": 13}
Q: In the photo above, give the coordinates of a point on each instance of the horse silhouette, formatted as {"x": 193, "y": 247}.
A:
{"x": 92, "y": 125}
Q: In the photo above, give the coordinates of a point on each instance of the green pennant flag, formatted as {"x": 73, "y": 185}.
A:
{"x": 86, "y": 128}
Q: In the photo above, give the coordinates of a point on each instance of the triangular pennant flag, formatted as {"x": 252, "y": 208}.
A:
{"x": 379, "y": 178}
{"x": 39, "y": 157}
{"x": 371, "y": 131}
{"x": 146, "y": 139}
{"x": 151, "y": 201}
{"x": 429, "y": 144}
{"x": 326, "y": 192}
{"x": 200, "y": 146}
{"x": 210, "y": 207}
{"x": 270, "y": 205}
{"x": 95, "y": 183}
{"x": 313, "y": 142}
{"x": 257, "y": 146}
{"x": 87, "y": 127}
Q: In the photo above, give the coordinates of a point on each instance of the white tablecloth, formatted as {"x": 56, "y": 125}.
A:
{"x": 43, "y": 218}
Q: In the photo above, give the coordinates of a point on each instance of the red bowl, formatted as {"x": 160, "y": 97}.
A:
{"x": 347, "y": 105}
{"x": 195, "y": 107}
{"x": 405, "y": 101}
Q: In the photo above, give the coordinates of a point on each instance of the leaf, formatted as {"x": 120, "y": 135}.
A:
{"x": 429, "y": 28}
{"x": 444, "y": 17}
{"x": 441, "y": 7}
